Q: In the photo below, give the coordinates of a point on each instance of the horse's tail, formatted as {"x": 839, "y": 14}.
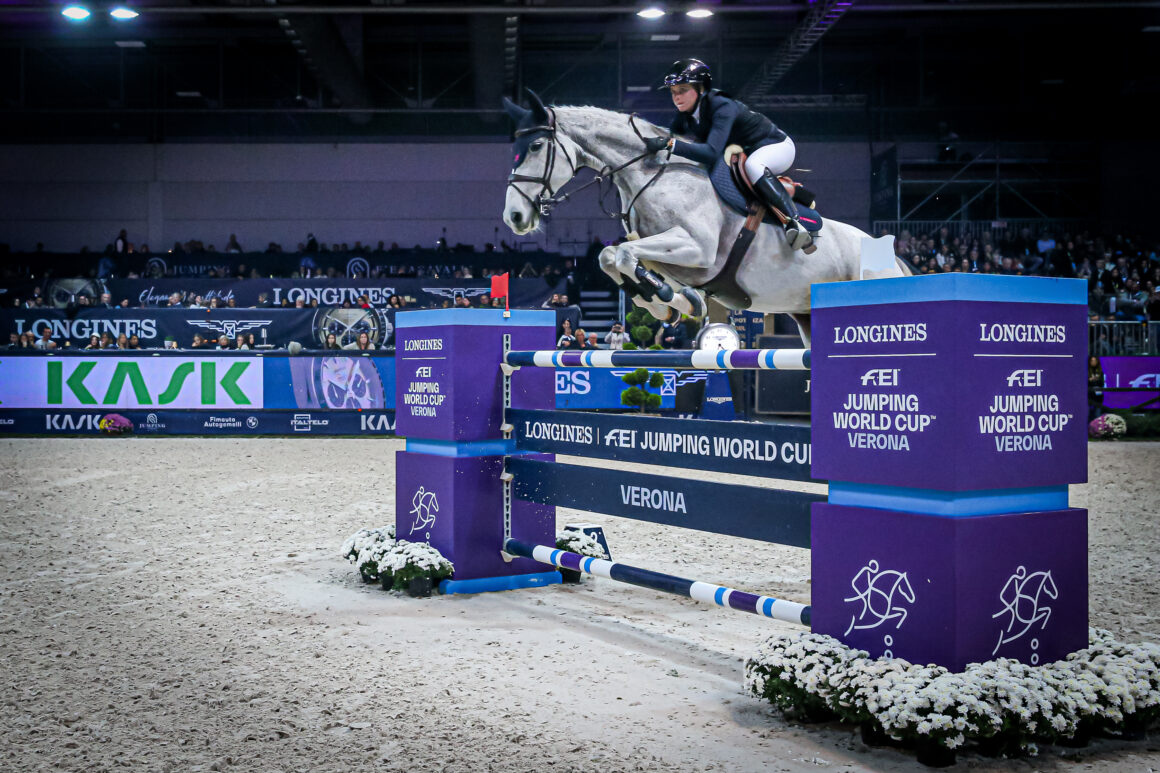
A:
{"x": 905, "y": 266}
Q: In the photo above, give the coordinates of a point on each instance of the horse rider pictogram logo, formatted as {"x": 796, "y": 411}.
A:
{"x": 1022, "y": 596}
{"x": 424, "y": 505}
{"x": 880, "y": 591}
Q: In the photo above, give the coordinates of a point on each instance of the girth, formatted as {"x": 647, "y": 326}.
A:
{"x": 723, "y": 286}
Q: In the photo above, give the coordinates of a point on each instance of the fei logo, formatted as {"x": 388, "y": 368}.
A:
{"x": 424, "y": 505}
{"x": 1025, "y": 378}
{"x": 1148, "y": 380}
{"x": 881, "y": 592}
{"x": 880, "y": 377}
{"x": 1022, "y": 597}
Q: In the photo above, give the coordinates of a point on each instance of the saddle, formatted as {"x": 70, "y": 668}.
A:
{"x": 733, "y": 186}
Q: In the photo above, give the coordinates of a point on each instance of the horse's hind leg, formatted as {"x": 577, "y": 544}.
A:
{"x": 803, "y": 323}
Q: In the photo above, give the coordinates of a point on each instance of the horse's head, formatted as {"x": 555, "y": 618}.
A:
{"x": 543, "y": 160}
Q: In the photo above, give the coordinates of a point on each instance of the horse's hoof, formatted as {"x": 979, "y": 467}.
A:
{"x": 696, "y": 301}
{"x": 673, "y": 318}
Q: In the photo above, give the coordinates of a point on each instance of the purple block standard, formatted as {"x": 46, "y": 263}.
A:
{"x": 449, "y": 401}
{"x": 951, "y": 591}
{"x": 448, "y": 384}
{"x": 455, "y": 504}
{"x": 943, "y": 382}
{"x": 949, "y": 416}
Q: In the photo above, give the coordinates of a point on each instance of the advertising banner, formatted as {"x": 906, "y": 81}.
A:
{"x": 1131, "y": 373}
{"x": 600, "y": 388}
{"x": 166, "y": 422}
{"x": 131, "y": 382}
{"x": 242, "y": 380}
{"x": 428, "y": 292}
{"x": 270, "y": 327}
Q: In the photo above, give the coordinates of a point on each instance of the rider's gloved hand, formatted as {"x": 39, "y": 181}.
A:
{"x": 656, "y": 144}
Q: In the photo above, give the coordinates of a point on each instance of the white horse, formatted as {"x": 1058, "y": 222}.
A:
{"x": 678, "y": 227}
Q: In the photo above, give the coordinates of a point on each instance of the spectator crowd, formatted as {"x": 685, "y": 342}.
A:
{"x": 1123, "y": 276}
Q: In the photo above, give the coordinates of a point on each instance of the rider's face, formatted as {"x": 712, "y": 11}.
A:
{"x": 684, "y": 97}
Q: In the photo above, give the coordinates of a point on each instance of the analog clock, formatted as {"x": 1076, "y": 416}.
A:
{"x": 718, "y": 336}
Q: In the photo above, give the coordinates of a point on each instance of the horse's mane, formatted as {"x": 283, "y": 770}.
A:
{"x": 591, "y": 117}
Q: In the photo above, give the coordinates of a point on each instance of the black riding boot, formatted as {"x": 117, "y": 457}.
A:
{"x": 771, "y": 189}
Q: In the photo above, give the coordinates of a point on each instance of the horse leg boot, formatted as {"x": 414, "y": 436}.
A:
{"x": 773, "y": 193}
{"x": 633, "y": 288}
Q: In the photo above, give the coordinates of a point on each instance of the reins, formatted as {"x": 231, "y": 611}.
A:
{"x": 545, "y": 203}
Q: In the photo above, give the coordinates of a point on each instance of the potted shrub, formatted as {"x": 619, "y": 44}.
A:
{"x": 363, "y": 549}
{"x": 415, "y": 567}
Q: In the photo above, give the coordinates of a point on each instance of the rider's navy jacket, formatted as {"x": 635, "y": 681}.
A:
{"x": 724, "y": 121}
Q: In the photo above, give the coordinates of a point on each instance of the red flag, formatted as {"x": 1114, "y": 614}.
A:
{"x": 499, "y": 287}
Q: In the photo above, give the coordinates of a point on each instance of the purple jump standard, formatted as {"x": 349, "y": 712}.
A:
{"x": 766, "y": 606}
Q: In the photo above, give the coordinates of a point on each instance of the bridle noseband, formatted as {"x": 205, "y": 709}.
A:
{"x": 545, "y": 203}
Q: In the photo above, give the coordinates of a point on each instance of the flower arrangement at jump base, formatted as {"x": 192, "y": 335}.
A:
{"x": 576, "y": 541}
{"x": 1001, "y": 707}
{"x": 415, "y": 567}
{"x": 364, "y": 548}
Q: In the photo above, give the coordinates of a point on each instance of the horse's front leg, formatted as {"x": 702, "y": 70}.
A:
{"x": 634, "y": 260}
{"x": 642, "y": 294}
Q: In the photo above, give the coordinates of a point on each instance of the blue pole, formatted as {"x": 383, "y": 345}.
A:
{"x": 777, "y": 609}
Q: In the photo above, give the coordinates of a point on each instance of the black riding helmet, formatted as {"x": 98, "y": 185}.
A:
{"x": 689, "y": 71}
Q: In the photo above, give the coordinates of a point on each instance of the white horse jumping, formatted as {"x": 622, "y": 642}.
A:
{"x": 678, "y": 227}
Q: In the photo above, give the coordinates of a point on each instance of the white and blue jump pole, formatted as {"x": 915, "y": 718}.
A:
{"x": 731, "y": 359}
{"x": 766, "y": 606}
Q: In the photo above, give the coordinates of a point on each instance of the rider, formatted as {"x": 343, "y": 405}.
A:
{"x": 715, "y": 121}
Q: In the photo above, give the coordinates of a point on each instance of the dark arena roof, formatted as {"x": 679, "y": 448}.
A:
{"x": 382, "y": 70}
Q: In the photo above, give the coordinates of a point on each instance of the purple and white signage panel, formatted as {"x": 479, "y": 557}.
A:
{"x": 455, "y": 504}
{"x": 448, "y": 383}
{"x": 951, "y": 591}
{"x": 961, "y": 388}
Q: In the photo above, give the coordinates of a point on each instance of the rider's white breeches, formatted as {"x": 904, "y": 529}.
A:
{"x": 776, "y": 158}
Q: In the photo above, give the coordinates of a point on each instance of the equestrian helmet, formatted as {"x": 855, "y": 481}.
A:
{"x": 689, "y": 71}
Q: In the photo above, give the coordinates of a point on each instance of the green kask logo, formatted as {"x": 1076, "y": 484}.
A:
{"x": 131, "y": 372}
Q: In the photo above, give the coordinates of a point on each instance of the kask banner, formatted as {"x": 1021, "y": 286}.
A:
{"x": 243, "y": 380}
{"x": 138, "y": 382}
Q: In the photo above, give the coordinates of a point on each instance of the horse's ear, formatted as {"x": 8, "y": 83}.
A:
{"x": 539, "y": 112}
{"x": 514, "y": 111}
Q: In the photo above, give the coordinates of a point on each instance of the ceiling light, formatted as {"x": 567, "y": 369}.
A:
{"x": 638, "y": 88}
{"x": 191, "y": 94}
{"x": 121, "y": 13}
{"x": 665, "y": 38}
{"x": 652, "y": 12}
{"x": 75, "y": 12}
{"x": 1151, "y": 28}
{"x": 129, "y": 43}
{"x": 699, "y": 13}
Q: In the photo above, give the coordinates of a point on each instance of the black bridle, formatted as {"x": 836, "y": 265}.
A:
{"x": 545, "y": 203}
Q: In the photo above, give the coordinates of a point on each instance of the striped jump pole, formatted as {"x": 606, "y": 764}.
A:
{"x": 726, "y": 359}
{"x": 777, "y": 609}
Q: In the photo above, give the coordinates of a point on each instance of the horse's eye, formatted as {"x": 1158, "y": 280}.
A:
{"x": 537, "y": 145}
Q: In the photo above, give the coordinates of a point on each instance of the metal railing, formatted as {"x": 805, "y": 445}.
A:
{"x": 1123, "y": 338}
{"x": 975, "y": 228}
